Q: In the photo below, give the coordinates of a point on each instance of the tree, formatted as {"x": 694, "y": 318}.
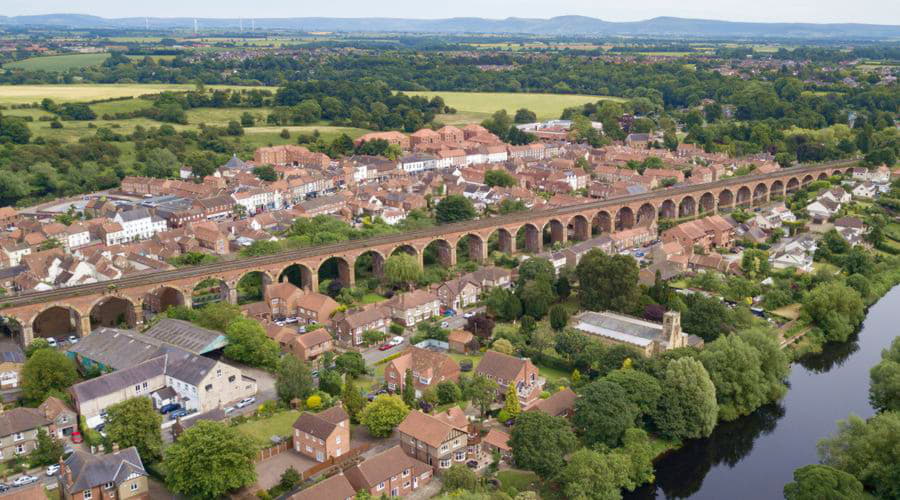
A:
{"x": 209, "y": 460}
{"x": 503, "y": 304}
{"x": 247, "y": 119}
{"x": 248, "y": 343}
{"x": 594, "y": 475}
{"x": 524, "y": 115}
{"x": 687, "y": 408}
{"x": 734, "y": 368}
{"x": 540, "y": 443}
{"x": 774, "y": 363}
{"x": 135, "y": 422}
{"x": 755, "y": 263}
{"x": 330, "y": 382}
{"x": 570, "y": 343}
{"x": 161, "y": 163}
{"x": 293, "y": 380}
{"x": 535, "y": 269}
{"x": 869, "y": 450}
{"x": 706, "y": 317}
{"x": 266, "y": 173}
{"x": 559, "y": 317}
{"x": 454, "y": 208}
{"x": 642, "y": 389}
{"x": 459, "y": 477}
{"x": 48, "y": 449}
{"x": 353, "y": 400}
{"x": 504, "y": 346}
{"x": 46, "y": 372}
{"x": 884, "y": 386}
{"x": 511, "y": 405}
{"x": 563, "y": 286}
{"x": 402, "y": 269}
{"x": 36, "y": 345}
{"x": 603, "y": 412}
{"x": 448, "y": 392}
{"x": 498, "y": 124}
{"x": 351, "y": 363}
{"x": 481, "y": 391}
{"x": 290, "y": 478}
{"x": 536, "y": 297}
{"x": 607, "y": 282}
{"x": 835, "y": 309}
{"x": 821, "y": 482}
{"x": 383, "y": 414}
{"x": 218, "y": 315}
{"x": 499, "y": 177}
{"x": 409, "y": 389}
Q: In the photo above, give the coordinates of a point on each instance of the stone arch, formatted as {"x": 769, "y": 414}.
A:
{"x": 113, "y": 311}
{"x": 471, "y": 247}
{"x": 528, "y": 237}
{"x": 57, "y": 321}
{"x": 162, "y": 298}
{"x": 793, "y": 185}
{"x": 687, "y": 207}
{"x": 744, "y": 197}
{"x": 336, "y": 268}
{"x": 439, "y": 252}
{"x": 601, "y": 223}
{"x": 707, "y": 203}
{"x": 624, "y": 218}
{"x": 823, "y": 176}
{"x": 668, "y": 210}
{"x": 760, "y": 194}
{"x": 212, "y": 289}
{"x": 726, "y": 199}
{"x": 807, "y": 179}
{"x": 776, "y": 189}
{"x": 405, "y": 248}
{"x": 579, "y": 228}
{"x": 300, "y": 275}
{"x": 11, "y": 327}
{"x": 501, "y": 240}
{"x": 646, "y": 215}
{"x": 557, "y": 232}
{"x": 251, "y": 286}
{"x": 369, "y": 264}
{"x": 849, "y": 171}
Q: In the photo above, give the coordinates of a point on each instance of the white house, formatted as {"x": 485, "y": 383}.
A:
{"x": 866, "y": 190}
{"x": 836, "y": 194}
{"x": 392, "y": 215}
{"x": 139, "y": 224}
{"x": 823, "y": 208}
{"x": 77, "y": 235}
{"x": 418, "y": 162}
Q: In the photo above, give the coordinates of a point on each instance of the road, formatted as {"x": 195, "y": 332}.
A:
{"x": 159, "y": 277}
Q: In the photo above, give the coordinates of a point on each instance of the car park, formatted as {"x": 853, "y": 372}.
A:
{"x": 23, "y": 480}
{"x": 52, "y": 469}
{"x": 245, "y": 402}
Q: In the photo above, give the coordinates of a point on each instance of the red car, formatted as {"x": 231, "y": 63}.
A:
{"x": 385, "y": 347}
{"x": 76, "y": 437}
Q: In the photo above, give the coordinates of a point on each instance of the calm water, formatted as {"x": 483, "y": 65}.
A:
{"x": 755, "y": 456}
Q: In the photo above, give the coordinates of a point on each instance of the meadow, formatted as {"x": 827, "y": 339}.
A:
{"x": 476, "y": 106}
{"x": 23, "y": 94}
{"x": 58, "y": 63}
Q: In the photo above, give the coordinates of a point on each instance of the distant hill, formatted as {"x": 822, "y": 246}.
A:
{"x": 563, "y": 25}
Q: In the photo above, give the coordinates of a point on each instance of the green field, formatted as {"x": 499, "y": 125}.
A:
{"x": 475, "y": 106}
{"x": 22, "y": 94}
{"x": 58, "y": 63}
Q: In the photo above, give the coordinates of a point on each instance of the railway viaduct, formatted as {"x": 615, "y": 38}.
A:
{"x": 80, "y": 308}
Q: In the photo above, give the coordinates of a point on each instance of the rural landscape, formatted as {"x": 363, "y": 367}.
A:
{"x": 461, "y": 258}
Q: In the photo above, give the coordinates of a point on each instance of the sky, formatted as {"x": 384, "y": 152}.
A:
{"x": 814, "y": 11}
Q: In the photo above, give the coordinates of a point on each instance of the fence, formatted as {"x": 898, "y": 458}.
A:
{"x": 340, "y": 462}
{"x": 273, "y": 450}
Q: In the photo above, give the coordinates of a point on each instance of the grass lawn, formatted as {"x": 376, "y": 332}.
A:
{"x": 519, "y": 479}
{"x": 681, "y": 283}
{"x": 552, "y": 373}
{"x": 790, "y": 311}
{"x": 124, "y": 106}
{"x": 371, "y": 298}
{"x": 261, "y": 430}
{"x": 58, "y": 63}
{"x": 470, "y": 357}
{"x": 19, "y": 94}
{"x": 482, "y": 104}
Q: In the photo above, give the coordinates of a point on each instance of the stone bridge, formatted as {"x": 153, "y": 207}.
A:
{"x": 79, "y": 309}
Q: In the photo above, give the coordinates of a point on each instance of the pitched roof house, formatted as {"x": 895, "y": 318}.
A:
{"x": 432, "y": 440}
{"x": 120, "y": 474}
{"x": 429, "y": 368}
{"x": 520, "y": 372}
{"x": 391, "y": 472}
{"x": 322, "y": 435}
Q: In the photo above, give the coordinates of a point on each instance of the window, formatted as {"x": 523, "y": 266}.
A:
{"x": 380, "y": 486}
{"x": 219, "y": 372}
{"x": 109, "y": 485}
{"x": 309, "y": 449}
{"x": 137, "y": 388}
{"x": 87, "y": 495}
{"x": 405, "y": 472}
{"x": 19, "y": 436}
{"x": 445, "y": 464}
{"x": 460, "y": 455}
{"x": 64, "y": 419}
{"x": 134, "y": 486}
{"x": 406, "y": 484}
{"x": 231, "y": 378}
{"x": 208, "y": 387}
{"x": 144, "y": 385}
{"x": 338, "y": 440}
{"x": 444, "y": 447}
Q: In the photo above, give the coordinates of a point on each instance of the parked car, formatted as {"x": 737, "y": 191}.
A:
{"x": 465, "y": 365}
{"x": 77, "y": 437}
{"x": 472, "y": 464}
{"x": 23, "y": 480}
{"x": 73, "y": 339}
{"x": 52, "y": 342}
{"x": 290, "y": 321}
{"x": 245, "y": 402}
{"x": 169, "y": 407}
{"x": 469, "y": 314}
{"x": 177, "y": 414}
{"x": 444, "y": 324}
{"x": 52, "y": 469}
{"x": 100, "y": 427}
{"x": 396, "y": 340}
{"x": 279, "y": 323}
{"x": 228, "y": 409}
{"x": 3, "y": 488}
{"x": 386, "y": 346}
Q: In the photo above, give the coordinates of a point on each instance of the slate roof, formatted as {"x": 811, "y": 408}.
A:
{"x": 187, "y": 336}
{"x": 10, "y": 352}
{"x": 21, "y": 420}
{"x": 382, "y": 466}
{"x": 557, "y": 404}
{"x": 426, "y": 428}
{"x": 120, "y": 379}
{"x": 116, "y": 348}
{"x": 134, "y": 214}
{"x": 214, "y": 415}
{"x": 89, "y": 470}
{"x": 186, "y": 366}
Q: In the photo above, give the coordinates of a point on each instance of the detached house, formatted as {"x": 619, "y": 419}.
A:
{"x": 458, "y": 293}
{"x": 322, "y": 435}
{"x": 350, "y": 325}
{"x": 439, "y": 442}
{"x": 391, "y": 472}
{"x": 429, "y": 368}
{"x": 120, "y": 474}
{"x": 509, "y": 370}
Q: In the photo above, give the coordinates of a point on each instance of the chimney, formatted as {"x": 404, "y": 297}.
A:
{"x": 672, "y": 329}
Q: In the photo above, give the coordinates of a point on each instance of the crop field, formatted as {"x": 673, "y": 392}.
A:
{"x": 475, "y": 106}
{"x": 58, "y": 63}
{"x": 22, "y": 94}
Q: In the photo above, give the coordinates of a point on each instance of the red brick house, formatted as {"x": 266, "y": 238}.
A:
{"x": 391, "y": 472}
{"x": 310, "y": 346}
{"x": 322, "y": 435}
{"x": 435, "y": 441}
{"x": 429, "y": 368}
{"x": 509, "y": 370}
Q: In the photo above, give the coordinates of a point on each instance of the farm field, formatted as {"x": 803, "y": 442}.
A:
{"x": 476, "y": 106}
{"x": 23, "y": 94}
{"x": 59, "y": 63}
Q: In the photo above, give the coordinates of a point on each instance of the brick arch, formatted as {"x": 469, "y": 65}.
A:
{"x": 299, "y": 274}
{"x": 823, "y": 176}
{"x": 476, "y": 246}
{"x": 687, "y": 207}
{"x": 793, "y": 184}
{"x": 807, "y": 179}
{"x": 602, "y": 221}
{"x": 50, "y": 325}
{"x": 101, "y": 305}
{"x": 726, "y": 198}
{"x": 344, "y": 269}
{"x": 161, "y": 298}
{"x": 404, "y": 247}
{"x": 760, "y": 193}
{"x": 707, "y": 202}
{"x": 744, "y": 197}
{"x": 625, "y": 218}
{"x": 579, "y": 227}
{"x": 506, "y": 240}
{"x": 532, "y": 237}
{"x": 645, "y": 215}
{"x": 668, "y": 209}
{"x": 776, "y": 188}
{"x": 558, "y": 230}
{"x": 445, "y": 252}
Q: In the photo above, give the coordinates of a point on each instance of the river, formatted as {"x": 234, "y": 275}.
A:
{"x": 755, "y": 456}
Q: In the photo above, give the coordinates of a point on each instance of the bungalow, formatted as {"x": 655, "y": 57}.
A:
{"x": 497, "y": 441}
{"x": 560, "y": 404}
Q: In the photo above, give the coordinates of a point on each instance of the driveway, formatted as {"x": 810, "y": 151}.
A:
{"x": 459, "y": 321}
{"x": 268, "y": 472}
